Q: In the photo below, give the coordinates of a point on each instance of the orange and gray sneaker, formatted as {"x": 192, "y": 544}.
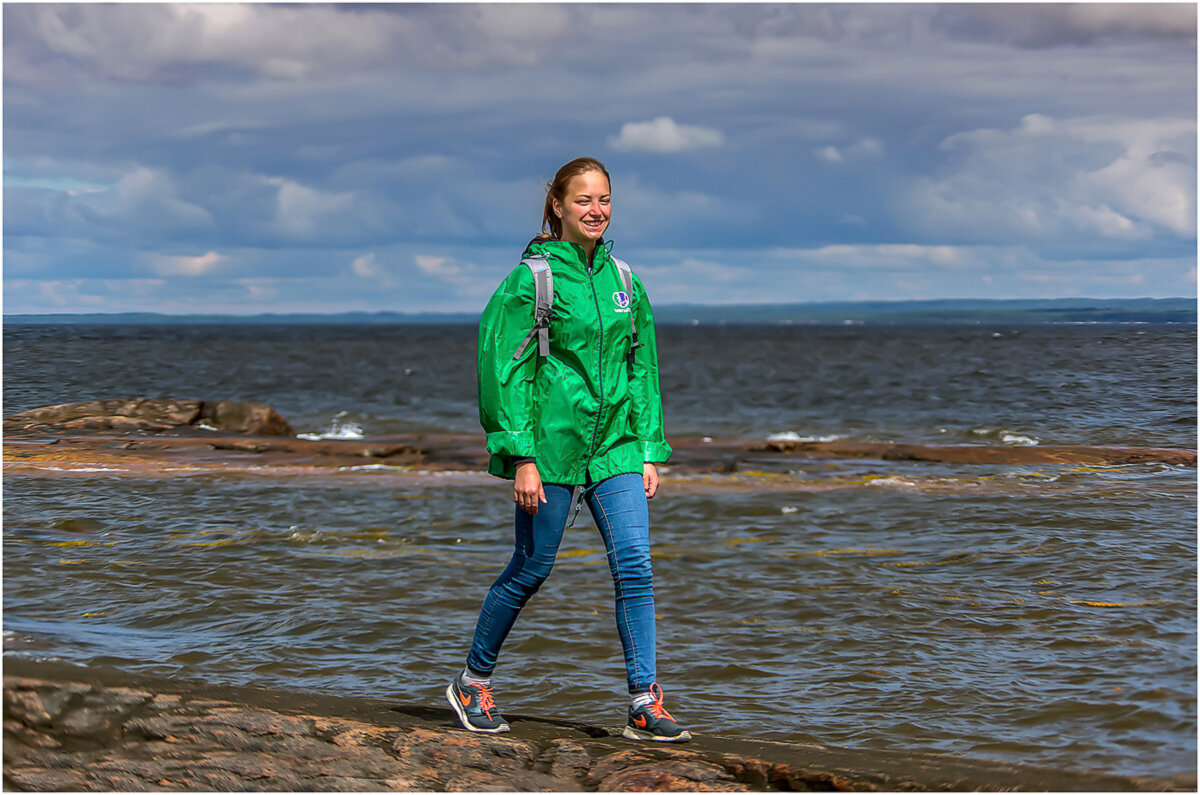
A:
{"x": 475, "y": 708}
{"x": 653, "y": 722}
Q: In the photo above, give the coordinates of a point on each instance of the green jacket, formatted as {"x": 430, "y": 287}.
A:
{"x": 585, "y": 409}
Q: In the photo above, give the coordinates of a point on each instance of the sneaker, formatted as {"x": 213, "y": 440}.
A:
{"x": 653, "y": 722}
{"x": 475, "y": 708}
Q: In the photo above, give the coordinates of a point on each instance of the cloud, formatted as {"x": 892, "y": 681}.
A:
{"x": 1060, "y": 180}
{"x": 299, "y": 208}
{"x": 202, "y": 265}
{"x": 889, "y": 255}
{"x": 325, "y": 147}
{"x": 664, "y": 135}
{"x": 184, "y": 43}
{"x": 1039, "y": 25}
{"x": 442, "y": 267}
{"x": 366, "y": 266}
{"x": 859, "y": 150}
{"x": 179, "y": 42}
{"x": 829, "y": 154}
{"x": 144, "y": 204}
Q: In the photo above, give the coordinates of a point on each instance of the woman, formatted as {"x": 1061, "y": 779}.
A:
{"x": 579, "y": 420}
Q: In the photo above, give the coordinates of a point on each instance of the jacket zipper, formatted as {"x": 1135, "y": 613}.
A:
{"x": 599, "y": 373}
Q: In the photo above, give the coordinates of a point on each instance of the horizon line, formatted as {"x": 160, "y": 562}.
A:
{"x": 658, "y": 308}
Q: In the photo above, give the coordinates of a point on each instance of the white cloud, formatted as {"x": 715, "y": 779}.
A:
{"x": 885, "y": 255}
{"x": 202, "y": 265}
{"x": 859, "y": 150}
{"x": 664, "y": 135}
{"x": 436, "y": 266}
{"x": 154, "y": 42}
{"x": 299, "y": 208}
{"x": 1060, "y": 180}
{"x": 259, "y": 289}
{"x": 144, "y": 199}
{"x": 829, "y": 154}
{"x": 366, "y": 266}
{"x": 178, "y": 42}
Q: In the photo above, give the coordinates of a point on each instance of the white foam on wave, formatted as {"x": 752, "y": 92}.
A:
{"x": 338, "y": 429}
{"x": 792, "y": 436}
{"x": 369, "y": 467}
{"x": 893, "y": 480}
{"x": 1006, "y": 436}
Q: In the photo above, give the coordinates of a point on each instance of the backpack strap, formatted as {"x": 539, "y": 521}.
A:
{"x": 543, "y": 283}
{"x": 627, "y": 282}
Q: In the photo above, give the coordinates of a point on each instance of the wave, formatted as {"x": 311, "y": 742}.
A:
{"x": 339, "y": 428}
{"x": 1005, "y": 436}
{"x": 792, "y": 436}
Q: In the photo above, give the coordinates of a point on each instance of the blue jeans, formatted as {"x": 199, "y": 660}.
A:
{"x": 618, "y": 504}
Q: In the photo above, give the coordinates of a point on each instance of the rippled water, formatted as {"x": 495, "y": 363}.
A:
{"x": 1131, "y": 385}
{"x": 1038, "y": 614}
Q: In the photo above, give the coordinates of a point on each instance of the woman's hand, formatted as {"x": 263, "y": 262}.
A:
{"x": 527, "y": 487}
{"x": 650, "y": 480}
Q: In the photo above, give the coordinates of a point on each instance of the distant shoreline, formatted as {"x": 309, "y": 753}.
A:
{"x": 949, "y": 312}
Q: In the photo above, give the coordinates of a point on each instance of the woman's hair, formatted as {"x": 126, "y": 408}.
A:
{"x": 556, "y": 190}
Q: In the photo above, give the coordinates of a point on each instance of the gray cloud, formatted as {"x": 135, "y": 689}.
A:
{"x": 1037, "y": 25}
{"x": 255, "y": 151}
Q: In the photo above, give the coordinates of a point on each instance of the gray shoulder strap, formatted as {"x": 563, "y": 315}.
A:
{"x": 543, "y": 283}
{"x": 627, "y": 281}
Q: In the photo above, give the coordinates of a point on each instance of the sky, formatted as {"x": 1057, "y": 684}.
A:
{"x": 248, "y": 158}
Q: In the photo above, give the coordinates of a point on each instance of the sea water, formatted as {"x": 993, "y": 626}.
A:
{"x": 1043, "y": 614}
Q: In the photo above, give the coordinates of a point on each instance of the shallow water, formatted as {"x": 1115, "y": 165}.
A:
{"x": 1037, "y": 614}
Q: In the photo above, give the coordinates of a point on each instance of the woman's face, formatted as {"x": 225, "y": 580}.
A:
{"x": 584, "y": 209}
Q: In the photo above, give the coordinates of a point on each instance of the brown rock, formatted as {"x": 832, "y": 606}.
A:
{"x": 672, "y": 776}
{"x": 40, "y": 779}
{"x": 978, "y": 454}
{"x": 100, "y": 713}
{"x": 808, "y": 779}
{"x": 153, "y": 414}
{"x": 159, "y": 735}
{"x": 24, "y": 702}
{"x": 252, "y": 418}
{"x": 565, "y": 759}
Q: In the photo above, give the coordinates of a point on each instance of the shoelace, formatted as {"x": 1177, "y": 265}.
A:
{"x": 656, "y": 706}
{"x": 486, "y": 703}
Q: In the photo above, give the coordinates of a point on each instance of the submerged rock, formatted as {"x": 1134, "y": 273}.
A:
{"x": 154, "y": 414}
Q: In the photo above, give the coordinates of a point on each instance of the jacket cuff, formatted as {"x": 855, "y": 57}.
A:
{"x": 655, "y": 452}
{"x": 515, "y": 444}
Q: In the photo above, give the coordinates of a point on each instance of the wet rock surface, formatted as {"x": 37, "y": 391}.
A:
{"x": 153, "y": 414}
{"x": 69, "y": 728}
{"x": 160, "y": 428}
{"x": 144, "y": 453}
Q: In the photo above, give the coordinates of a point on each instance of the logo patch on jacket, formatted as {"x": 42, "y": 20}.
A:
{"x": 621, "y": 299}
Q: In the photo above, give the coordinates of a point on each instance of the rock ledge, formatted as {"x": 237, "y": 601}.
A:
{"x": 154, "y": 414}
{"x": 69, "y": 728}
